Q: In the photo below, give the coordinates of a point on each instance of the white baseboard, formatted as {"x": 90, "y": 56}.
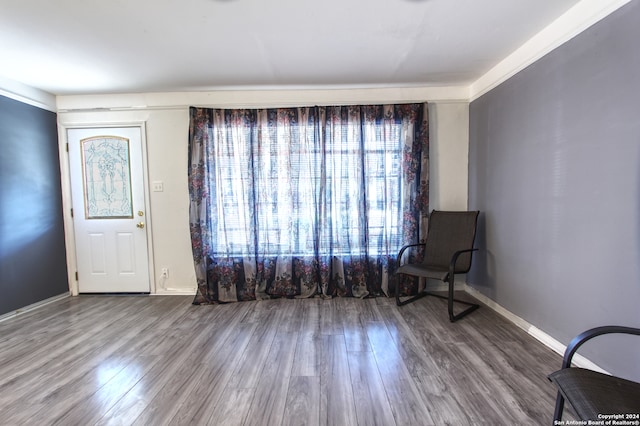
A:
{"x": 175, "y": 292}
{"x": 536, "y": 333}
{"x": 33, "y": 306}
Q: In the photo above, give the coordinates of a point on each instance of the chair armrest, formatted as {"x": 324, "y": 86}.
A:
{"x": 583, "y": 337}
{"x": 456, "y": 255}
{"x": 402, "y": 250}
{"x": 573, "y": 346}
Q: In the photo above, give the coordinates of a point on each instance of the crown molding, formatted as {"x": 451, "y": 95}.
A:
{"x": 260, "y": 98}
{"x": 26, "y": 94}
{"x": 577, "y": 19}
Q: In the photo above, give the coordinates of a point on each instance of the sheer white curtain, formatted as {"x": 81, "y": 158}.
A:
{"x": 299, "y": 201}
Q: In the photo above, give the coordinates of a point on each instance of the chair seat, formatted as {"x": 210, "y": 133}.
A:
{"x": 422, "y": 270}
{"x": 591, "y": 393}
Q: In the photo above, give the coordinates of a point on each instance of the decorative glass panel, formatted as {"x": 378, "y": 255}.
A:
{"x": 107, "y": 177}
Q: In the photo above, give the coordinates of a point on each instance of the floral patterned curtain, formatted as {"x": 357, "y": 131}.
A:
{"x": 306, "y": 201}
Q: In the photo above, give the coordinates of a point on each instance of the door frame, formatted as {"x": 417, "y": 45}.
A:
{"x": 65, "y": 173}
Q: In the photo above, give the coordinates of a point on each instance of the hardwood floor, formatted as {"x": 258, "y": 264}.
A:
{"x": 155, "y": 360}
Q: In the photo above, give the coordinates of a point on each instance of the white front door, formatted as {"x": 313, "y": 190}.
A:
{"x": 109, "y": 216}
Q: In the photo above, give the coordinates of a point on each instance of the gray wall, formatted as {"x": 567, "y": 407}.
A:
{"x": 554, "y": 165}
{"x": 32, "y": 249}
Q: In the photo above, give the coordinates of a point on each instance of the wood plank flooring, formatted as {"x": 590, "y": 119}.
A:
{"x": 158, "y": 360}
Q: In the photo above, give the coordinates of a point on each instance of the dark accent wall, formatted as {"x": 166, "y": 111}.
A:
{"x": 32, "y": 248}
{"x": 554, "y": 163}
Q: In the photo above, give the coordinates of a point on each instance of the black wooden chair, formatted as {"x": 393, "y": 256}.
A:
{"x": 448, "y": 251}
{"x": 589, "y": 392}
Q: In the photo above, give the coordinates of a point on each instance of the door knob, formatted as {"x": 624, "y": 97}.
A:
{"x": 140, "y": 225}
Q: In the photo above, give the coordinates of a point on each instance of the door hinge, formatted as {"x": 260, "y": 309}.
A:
{"x": 71, "y": 212}
{"x": 76, "y": 275}
{"x": 67, "y": 146}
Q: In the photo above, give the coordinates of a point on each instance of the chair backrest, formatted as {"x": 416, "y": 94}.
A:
{"x": 449, "y": 232}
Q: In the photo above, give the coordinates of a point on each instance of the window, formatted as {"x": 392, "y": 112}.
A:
{"x": 358, "y": 179}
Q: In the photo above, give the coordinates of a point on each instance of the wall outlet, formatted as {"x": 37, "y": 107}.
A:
{"x": 165, "y": 272}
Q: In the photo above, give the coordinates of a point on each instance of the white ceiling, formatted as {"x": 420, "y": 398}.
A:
{"x": 129, "y": 46}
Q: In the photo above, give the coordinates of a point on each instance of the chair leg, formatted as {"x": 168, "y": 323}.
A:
{"x": 557, "y": 414}
{"x": 450, "y": 299}
{"x": 472, "y": 306}
{"x": 407, "y": 301}
{"x": 412, "y": 299}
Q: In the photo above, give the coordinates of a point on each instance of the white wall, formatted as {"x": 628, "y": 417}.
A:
{"x": 448, "y": 155}
{"x": 166, "y": 121}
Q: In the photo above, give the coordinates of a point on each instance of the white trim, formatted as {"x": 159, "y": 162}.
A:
{"x": 147, "y": 205}
{"x": 536, "y": 333}
{"x": 67, "y": 205}
{"x": 258, "y": 98}
{"x": 33, "y": 306}
{"x": 577, "y": 19}
{"x": 175, "y": 292}
{"x": 27, "y": 95}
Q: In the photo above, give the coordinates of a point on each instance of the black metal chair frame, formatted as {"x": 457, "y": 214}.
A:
{"x": 450, "y": 279}
{"x": 572, "y": 348}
